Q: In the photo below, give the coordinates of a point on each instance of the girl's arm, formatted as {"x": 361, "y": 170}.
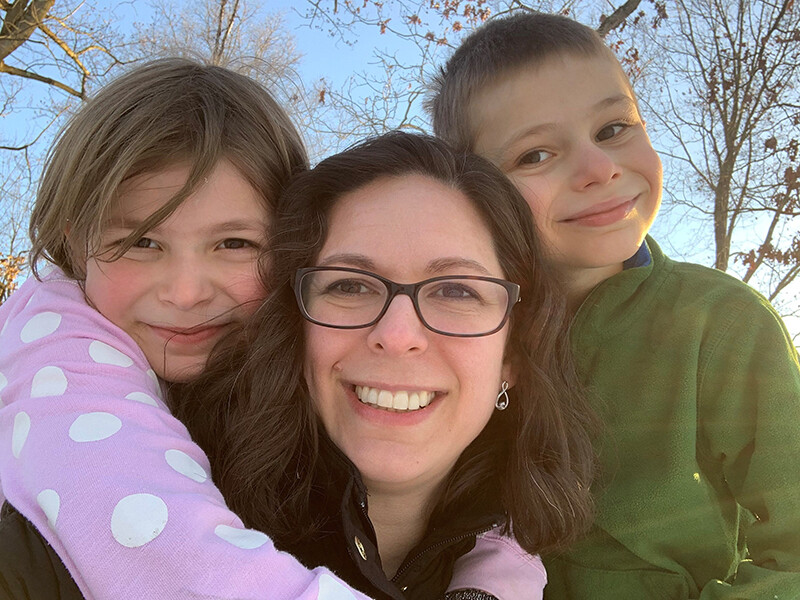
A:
{"x": 91, "y": 455}
{"x": 497, "y": 568}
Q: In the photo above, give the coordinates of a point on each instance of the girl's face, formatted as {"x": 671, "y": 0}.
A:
{"x": 178, "y": 290}
{"x": 406, "y": 229}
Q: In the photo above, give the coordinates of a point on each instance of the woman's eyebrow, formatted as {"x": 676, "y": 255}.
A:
{"x": 358, "y": 261}
{"x": 449, "y": 263}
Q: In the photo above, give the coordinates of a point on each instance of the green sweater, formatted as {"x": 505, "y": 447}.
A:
{"x": 698, "y": 385}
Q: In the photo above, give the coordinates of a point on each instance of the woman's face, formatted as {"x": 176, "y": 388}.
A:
{"x": 406, "y": 229}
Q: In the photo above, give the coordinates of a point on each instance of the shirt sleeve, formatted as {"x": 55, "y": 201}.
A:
{"x": 499, "y": 568}
{"x": 90, "y": 454}
{"x": 750, "y": 425}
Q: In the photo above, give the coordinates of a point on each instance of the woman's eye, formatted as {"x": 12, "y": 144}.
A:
{"x": 610, "y": 131}
{"x": 534, "y": 157}
{"x": 348, "y": 287}
{"x": 144, "y": 242}
{"x": 456, "y": 291}
{"x": 236, "y": 244}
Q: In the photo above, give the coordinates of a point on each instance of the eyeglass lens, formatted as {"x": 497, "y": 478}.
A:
{"x": 454, "y": 305}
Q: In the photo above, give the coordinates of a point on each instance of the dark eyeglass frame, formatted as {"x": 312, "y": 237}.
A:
{"x": 408, "y": 289}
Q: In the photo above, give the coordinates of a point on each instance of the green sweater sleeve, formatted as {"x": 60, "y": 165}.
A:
{"x": 749, "y": 416}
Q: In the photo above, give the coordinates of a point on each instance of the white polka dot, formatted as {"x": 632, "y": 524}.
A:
{"x": 185, "y": 465}
{"x": 104, "y": 354}
{"x": 142, "y": 397}
{"x": 3, "y": 384}
{"x": 332, "y": 589}
{"x": 40, "y": 326}
{"x": 22, "y": 427}
{"x": 49, "y": 381}
{"x": 247, "y": 539}
{"x": 138, "y": 519}
{"x": 93, "y": 427}
{"x": 152, "y": 375}
{"x": 50, "y": 503}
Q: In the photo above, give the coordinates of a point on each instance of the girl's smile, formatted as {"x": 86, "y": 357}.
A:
{"x": 178, "y": 290}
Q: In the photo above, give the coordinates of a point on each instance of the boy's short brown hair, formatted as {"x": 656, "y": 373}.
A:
{"x": 525, "y": 39}
{"x": 165, "y": 112}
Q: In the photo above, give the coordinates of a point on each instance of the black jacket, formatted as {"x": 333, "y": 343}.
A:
{"x": 29, "y": 568}
{"x": 348, "y": 546}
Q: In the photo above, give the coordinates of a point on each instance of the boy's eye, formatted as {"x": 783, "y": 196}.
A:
{"x": 610, "y": 131}
{"x": 144, "y": 243}
{"x": 534, "y": 157}
{"x": 236, "y": 244}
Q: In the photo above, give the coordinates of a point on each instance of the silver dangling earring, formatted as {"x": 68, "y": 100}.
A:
{"x": 502, "y": 397}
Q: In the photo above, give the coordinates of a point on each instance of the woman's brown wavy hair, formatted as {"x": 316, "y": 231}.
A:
{"x": 252, "y": 413}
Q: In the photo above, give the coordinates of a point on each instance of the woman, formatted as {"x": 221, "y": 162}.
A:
{"x": 364, "y": 421}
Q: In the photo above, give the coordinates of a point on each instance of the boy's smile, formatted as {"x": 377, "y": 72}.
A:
{"x": 569, "y": 135}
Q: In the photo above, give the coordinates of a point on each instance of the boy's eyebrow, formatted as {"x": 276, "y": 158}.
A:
{"x": 614, "y": 100}
{"x": 437, "y": 265}
{"x": 544, "y": 127}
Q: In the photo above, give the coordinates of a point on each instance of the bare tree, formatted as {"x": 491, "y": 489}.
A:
{"x": 53, "y": 53}
{"x": 722, "y": 96}
{"x": 240, "y": 36}
{"x": 50, "y": 55}
{"x": 420, "y": 34}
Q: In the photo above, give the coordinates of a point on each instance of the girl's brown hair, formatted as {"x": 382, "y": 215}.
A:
{"x": 165, "y": 112}
{"x": 252, "y": 413}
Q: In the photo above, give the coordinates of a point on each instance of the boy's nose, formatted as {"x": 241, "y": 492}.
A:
{"x": 594, "y": 165}
{"x": 400, "y": 330}
{"x": 186, "y": 284}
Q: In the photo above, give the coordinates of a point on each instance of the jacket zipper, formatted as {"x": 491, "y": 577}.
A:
{"x": 446, "y": 542}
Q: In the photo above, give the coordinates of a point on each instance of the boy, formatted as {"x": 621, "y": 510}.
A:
{"x": 693, "y": 372}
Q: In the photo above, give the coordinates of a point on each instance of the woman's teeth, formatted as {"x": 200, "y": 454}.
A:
{"x": 394, "y": 400}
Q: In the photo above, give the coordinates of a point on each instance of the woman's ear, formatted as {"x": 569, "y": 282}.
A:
{"x": 509, "y": 373}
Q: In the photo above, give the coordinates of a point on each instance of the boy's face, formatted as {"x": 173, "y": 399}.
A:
{"x": 190, "y": 279}
{"x": 570, "y": 137}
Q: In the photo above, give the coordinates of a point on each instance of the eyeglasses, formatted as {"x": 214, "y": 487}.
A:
{"x": 459, "y": 306}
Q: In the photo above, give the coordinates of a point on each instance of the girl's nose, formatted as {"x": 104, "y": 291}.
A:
{"x": 186, "y": 284}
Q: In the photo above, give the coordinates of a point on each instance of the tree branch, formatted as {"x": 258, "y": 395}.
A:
{"x": 618, "y": 17}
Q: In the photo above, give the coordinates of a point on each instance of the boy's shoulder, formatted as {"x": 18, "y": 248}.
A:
{"x": 696, "y": 283}
{"x": 709, "y": 299}
{"x": 665, "y": 294}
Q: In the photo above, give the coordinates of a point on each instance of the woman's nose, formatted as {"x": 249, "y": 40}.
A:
{"x": 400, "y": 330}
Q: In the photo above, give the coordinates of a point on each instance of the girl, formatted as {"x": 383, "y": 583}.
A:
{"x": 378, "y": 426}
{"x": 152, "y": 209}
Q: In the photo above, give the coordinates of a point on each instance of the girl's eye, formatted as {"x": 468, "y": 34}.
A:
{"x": 236, "y": 244}
{"x": 610, "y": 131}
{"x": 534, "y": 157}
{"x": 145, "y": 243}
